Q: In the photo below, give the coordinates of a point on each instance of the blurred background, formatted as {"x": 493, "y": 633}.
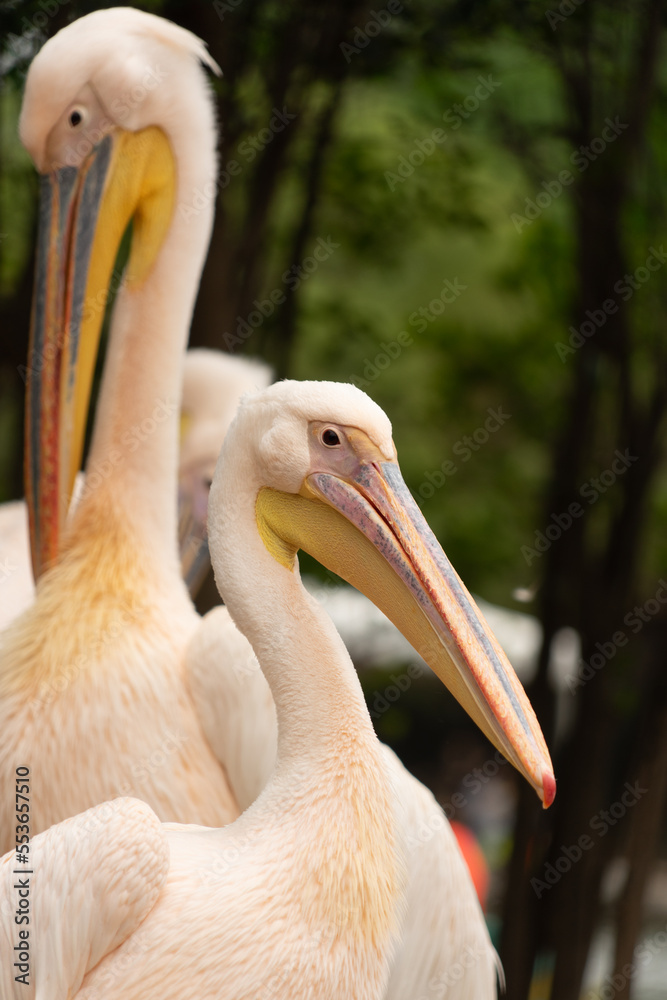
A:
{"x": 460, "y": 207}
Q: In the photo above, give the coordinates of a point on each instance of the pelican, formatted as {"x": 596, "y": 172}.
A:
{"x": 94, "y": 698}
{"x": 431, "y": 945}
{"x": 302, "y": 896}
{"x": 213, "y": 383}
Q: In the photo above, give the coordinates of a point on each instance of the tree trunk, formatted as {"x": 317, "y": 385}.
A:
{"x": 646, "y": 816}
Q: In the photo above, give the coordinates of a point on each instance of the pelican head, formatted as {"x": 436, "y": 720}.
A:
{"x": 319, "y": 460}
{"x": 105, "y": 105}
{"x": 213, "y": 384}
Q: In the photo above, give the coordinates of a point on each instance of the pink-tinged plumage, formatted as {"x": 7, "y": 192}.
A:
{"x": 90, "y": 882}
{"x": 443, "y": 938}
{"x": 93, "y": 687}
{"x": 306, "y": 893}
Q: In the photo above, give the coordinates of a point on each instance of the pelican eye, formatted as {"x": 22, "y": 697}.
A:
{"x": 330, "y": 438}
{"x": 75, "y": 118}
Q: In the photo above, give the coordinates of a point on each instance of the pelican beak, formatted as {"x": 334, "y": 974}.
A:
{"x": 367, "y": 528}
{"x": 57, "y": 399}
{"x": 193, "y": 489}
{"x": 83, "y": 213}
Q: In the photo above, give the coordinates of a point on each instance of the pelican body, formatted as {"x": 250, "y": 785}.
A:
{"x": 94, "y": 697}
{"x": 303, "y": 896}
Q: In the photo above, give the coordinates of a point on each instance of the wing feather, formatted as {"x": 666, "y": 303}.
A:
{"x": 93, "y": 879}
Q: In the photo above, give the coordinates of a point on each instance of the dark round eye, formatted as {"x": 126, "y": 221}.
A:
{"x": 75, "y": 118}
{"x": 330, "y": 438}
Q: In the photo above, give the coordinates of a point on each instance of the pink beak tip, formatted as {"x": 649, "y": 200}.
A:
{"x": 548, "y": 788}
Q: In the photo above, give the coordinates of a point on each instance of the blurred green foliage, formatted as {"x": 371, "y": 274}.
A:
{"x": 398, "y": 242}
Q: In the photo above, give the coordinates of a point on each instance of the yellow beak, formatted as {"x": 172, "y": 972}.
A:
{"x": 83, "y": 214}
